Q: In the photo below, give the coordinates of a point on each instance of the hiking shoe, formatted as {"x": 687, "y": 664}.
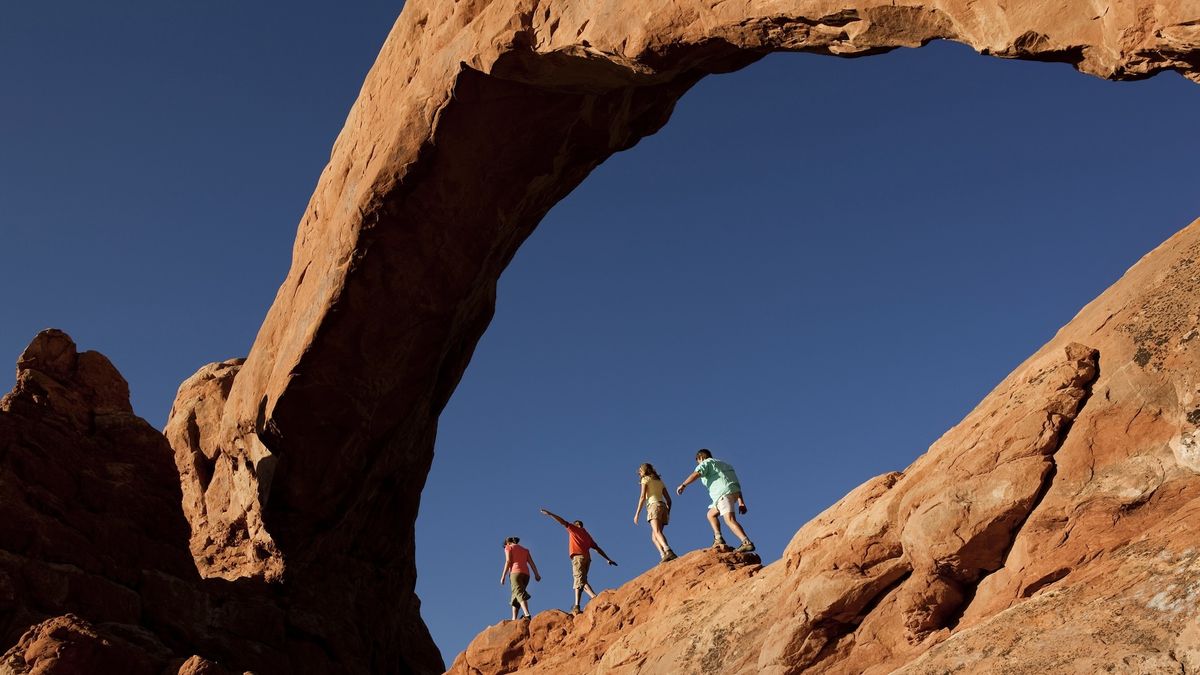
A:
{"x": 719, "y": 542}
{"x": 746, "y": 547}
{"x": 575, "y": 610}
{"x": 669, "y": 556}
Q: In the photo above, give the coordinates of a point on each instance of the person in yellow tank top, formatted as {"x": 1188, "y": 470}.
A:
{"x": 657, "y": 499}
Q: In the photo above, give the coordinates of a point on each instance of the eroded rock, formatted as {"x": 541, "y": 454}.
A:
{"x": 475, "y": 120}
{"x": 1052, "y": 530}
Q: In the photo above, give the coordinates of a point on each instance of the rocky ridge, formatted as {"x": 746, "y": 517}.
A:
{"x": 1052, "y": 530}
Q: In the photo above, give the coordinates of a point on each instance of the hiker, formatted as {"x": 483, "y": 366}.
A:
{"x": 518, "y": 561}
{"x": 725, "y": 491}
{"x": 578, "y": 544}
{"x": 658, "y": 509}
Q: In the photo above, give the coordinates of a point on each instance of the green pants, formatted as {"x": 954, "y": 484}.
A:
{"x": 519, "y": 594}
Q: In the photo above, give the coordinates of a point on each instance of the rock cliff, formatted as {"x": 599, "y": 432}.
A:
{"x": 95, "y": 571}
{"x": 301, "y": 467}
{"x": 1053, "y": 530}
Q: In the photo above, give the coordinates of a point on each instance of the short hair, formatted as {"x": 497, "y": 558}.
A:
{"x": 703, "y": 453}
{"x": 578, "y": 523}
{"x": 512, "y": 540}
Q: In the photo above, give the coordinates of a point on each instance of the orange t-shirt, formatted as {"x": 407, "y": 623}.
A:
{"x": 518, "y": 556}
{"x": 579, "y": 541}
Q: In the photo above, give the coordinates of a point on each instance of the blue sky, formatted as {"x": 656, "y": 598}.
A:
{"x": 815, "y": 269}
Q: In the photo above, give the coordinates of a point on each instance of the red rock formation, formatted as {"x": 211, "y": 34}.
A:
{"x": 1064, "y": 494}
{"x": 90, "y": 522}
{"x": 477, "y": 117}
{"x": 94, "y": 559}
{"x": 68, "y": 644}
{"x": 1053, "y": 530}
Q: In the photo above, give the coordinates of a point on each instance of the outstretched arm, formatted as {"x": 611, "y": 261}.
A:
{"x": 554, "y": 516}
{"x": 686, "y": 482}
{"x": 603, "y": 554}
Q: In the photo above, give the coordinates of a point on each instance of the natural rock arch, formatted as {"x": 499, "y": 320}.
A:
{"x": 303, "y": 466}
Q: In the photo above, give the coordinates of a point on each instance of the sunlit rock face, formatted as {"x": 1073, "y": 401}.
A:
{"x": 475, "y": 120}
{"x": 299, "y": 470}
{"x": 1053, "y": 530}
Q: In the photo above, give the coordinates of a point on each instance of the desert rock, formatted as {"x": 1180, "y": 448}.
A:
{"x": 475, "y": 120}
{"x": 1066, "y": 494}
{"x": 1052, "y": 530}
{"x": 95, "y": 565}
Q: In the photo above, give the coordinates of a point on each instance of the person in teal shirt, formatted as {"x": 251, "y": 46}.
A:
{"x": 725, "y": 491}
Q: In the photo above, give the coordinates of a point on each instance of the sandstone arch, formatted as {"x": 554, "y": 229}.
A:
{"x": 477, "y": 117}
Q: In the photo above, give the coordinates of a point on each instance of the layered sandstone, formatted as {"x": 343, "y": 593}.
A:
{"x": 1053, "y": 530}
{"x": 476, "y": 118}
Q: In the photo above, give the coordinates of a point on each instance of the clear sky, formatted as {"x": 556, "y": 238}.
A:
{"x": 815, "y": 269}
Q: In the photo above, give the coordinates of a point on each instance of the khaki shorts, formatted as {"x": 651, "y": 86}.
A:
{"x": 658, "y": 511}
{"x": 579, "y": 570}
{"x": 519, "y": 582}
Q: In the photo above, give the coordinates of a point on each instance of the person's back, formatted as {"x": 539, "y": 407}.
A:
{"x": 579, "y": 542}
{"x": 718, "y": 477}
{"x": 654, "y": 488}
{"x": 519, "y": 557}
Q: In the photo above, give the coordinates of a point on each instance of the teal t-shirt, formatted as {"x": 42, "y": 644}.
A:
{"x": 719, "y": 478}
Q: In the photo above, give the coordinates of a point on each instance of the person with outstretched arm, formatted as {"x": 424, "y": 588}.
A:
{"x": 726, "y": 492}
{"x": 579, "y": 543}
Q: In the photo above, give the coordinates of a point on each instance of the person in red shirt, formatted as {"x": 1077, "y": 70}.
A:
{"x": 579, "y": 543}
{"x": 518, "y": 561}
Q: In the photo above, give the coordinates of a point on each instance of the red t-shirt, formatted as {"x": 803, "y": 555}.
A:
{"x": 518, "y": 556}
{"x": 579, "y": 541}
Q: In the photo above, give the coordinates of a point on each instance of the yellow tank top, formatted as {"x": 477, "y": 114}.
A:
{"x": 654, "y": 489}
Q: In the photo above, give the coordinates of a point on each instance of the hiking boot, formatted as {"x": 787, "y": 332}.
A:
{"x": 746, "y": 547}
{"x": 670, "y": 555}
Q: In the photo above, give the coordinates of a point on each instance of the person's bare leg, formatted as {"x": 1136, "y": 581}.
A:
{"x": 577, "y": 593}
{"x": 524, "y": 606}
{"x": 716, "y": 524}
{"x": 587, "y": 588}
{"x": 731, "y": 520}
{"x": 656, "y": 534}
{"x": 514, "y": 613}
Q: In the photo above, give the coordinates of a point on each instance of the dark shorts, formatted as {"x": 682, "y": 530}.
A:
{"x": 519, "y": 594}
